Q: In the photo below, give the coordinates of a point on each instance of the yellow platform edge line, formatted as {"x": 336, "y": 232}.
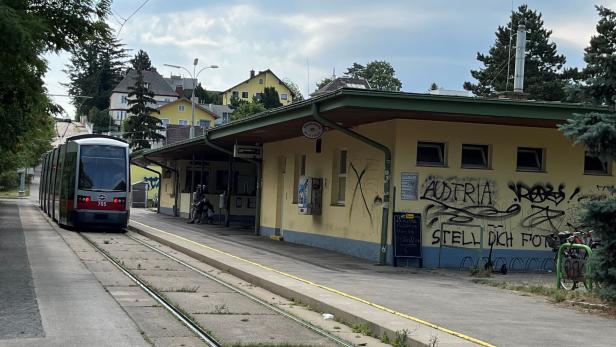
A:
{"x": 332, "y": 290}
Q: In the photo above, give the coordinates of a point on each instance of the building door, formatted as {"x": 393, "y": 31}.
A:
{"x": 281, "y": 195}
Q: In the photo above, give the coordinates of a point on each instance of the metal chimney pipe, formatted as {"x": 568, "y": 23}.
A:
{"x": 520, "y": 50}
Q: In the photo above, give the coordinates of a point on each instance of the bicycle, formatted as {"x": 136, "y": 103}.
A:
{"x": 573, "y": 265}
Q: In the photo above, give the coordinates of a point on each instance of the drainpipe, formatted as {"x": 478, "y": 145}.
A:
{"x": 209, "y": 143}
{"x": 159, "y": 184}
{"x": 175, "y": 188}
{"x": 385, "y": 220}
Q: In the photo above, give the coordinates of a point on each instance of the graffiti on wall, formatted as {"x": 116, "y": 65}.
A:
{"x": 522, "y": 215}
{"x": 463, "y": 200}
{"x": 153, "y": 182}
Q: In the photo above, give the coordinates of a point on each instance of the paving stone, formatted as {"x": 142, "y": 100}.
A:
{"x": 231, "y": 303}
{"x": 131, "y": 296}
{"x": 155, "y": 322}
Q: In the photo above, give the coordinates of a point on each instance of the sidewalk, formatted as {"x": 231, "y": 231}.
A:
{"x": 384, "y": 296}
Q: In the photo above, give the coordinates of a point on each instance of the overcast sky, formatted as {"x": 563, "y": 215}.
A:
{"x": 425, "y": 41}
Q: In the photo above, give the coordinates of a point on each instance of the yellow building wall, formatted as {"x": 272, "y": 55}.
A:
{"x": 139, "y": 174}
{"x": 172, "y": 112}
{"x": 360, "y": 217}
{"x": 252, "y": 86}
{"x": 515, "y": 209}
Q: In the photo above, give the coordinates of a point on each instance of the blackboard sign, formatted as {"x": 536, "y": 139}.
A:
{"x": 407, "y": 235}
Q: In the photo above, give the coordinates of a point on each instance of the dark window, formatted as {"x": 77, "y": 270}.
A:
{"x": 197, "y": 181}
{"x": 235, "y": 94}
{"x": 221, "y": 181}
{"x": 475, "y": 156}
{"x": 596, "y": 166}
{"x": 431, "y": 153}
{"x": 258, "y": 96}
{"x": 102, "y": 168}
{"x": 244, "y": 95}
{"x": 530, "y": 159}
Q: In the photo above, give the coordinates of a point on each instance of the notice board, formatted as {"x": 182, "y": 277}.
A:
{"x": 407, "y": 235}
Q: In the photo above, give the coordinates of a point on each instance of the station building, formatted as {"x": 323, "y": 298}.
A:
{"x": 443, "y": 178}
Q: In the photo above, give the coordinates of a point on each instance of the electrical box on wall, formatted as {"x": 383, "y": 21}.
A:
{"x": 310, "y": 195}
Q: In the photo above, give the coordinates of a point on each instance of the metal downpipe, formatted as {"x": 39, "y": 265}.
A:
{"x": 209, "y": 143}
{"x": 386, "y": 185}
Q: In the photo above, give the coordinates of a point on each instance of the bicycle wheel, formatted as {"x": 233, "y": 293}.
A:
{"x": 567, "y": 271}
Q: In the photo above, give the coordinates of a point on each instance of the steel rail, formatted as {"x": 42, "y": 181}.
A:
{"x": 282, "y": 312}
{"x": 176, "y": 312}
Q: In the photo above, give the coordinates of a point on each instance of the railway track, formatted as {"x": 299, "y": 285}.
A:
{"x": 124, "y": 243}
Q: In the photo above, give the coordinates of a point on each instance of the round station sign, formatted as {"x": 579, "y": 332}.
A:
{"x": 312, "y": 130}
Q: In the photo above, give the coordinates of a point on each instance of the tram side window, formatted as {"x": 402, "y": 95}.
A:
{"x": 102, "y": 168}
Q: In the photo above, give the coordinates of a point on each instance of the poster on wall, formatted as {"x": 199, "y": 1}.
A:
{"x": 408, "y": 185}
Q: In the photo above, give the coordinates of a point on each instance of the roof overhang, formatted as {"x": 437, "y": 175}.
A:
{"x": 354, "y": 107}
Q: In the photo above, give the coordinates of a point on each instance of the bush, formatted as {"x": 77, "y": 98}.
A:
{"x": 601, "y": 214}
{"x": 9, "y": 179}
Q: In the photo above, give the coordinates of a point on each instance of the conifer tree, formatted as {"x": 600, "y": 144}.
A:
{"x": 141, "y": 61}
{"x": 597, "y": 133}
{"x": 544, "y": 74}
{"x": 141, "y": 128}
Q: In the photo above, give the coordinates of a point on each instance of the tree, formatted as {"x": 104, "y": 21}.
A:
{"x": 379, "y": 73}
{"x": 600, "y": 58}
{"x": 96, "y": 68}
{"x": 294, "y": 89}
{"x": 324, "y": 82}
{"x": 270, "y": 98}
{"x": 28, "y": 30}
{"x": 247, "y": 109}
{"x": 544, "y": 74}
{"x": 597, "y": 133}
{"x": 207, "y": 97}
{"x": 141, "y": 127}
{"x": 141, "y": 61}
{"x": 100, "y": 119}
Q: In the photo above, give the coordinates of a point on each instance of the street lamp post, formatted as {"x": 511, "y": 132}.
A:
{"x": 193, "y": 76}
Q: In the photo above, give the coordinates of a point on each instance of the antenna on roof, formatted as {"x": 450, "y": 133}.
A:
{"x": 334, "y": 73}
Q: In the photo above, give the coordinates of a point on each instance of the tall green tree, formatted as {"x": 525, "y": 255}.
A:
{"x": 28, "y": 30}
{"x": 600, "y": 57}
{"x": 324, "y": 82}
{"x": 270, "y": 98}
{"x": 597, "y": 133}
{"x": 141, "y": 61}
{"x": 246, "y": 109}
{"x": 545, "y": 77}
{"x": 206, "y": 96}
{"x": 294, "y": 89}
{"x": 95, "y": 69}
{"x": 379, "y": 73}
{"x": 141, "y": 128}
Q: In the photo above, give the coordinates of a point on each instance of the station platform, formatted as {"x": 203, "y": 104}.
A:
{"x": 47, "y": 296}
{"x": 429, "y": 304}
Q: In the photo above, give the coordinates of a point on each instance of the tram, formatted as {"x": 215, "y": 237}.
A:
{"x": 85, "y": 182}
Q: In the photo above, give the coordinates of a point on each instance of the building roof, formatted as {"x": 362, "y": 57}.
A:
{"x": 199, "y": 106}
{"x": 218, "y": 109}
{"x": 257, "y": 75}
{"x": 156, "y": 83}
{"x": 343, "y": 82}
{"x": 353, "y": 107}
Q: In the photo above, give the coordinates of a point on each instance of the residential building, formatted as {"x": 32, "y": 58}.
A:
{"x": 178, "y": 81}
{"x": 118, "y": 102}
{"x": 415, "y": 179}
{"x": 254, "y": 86}
{"x": 179, "y": 112}
{"x": 223, "y": 112}
{"x": 342, "y": 82}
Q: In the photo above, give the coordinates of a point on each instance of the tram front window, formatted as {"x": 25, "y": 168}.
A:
{"x": 102, "y": 168}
